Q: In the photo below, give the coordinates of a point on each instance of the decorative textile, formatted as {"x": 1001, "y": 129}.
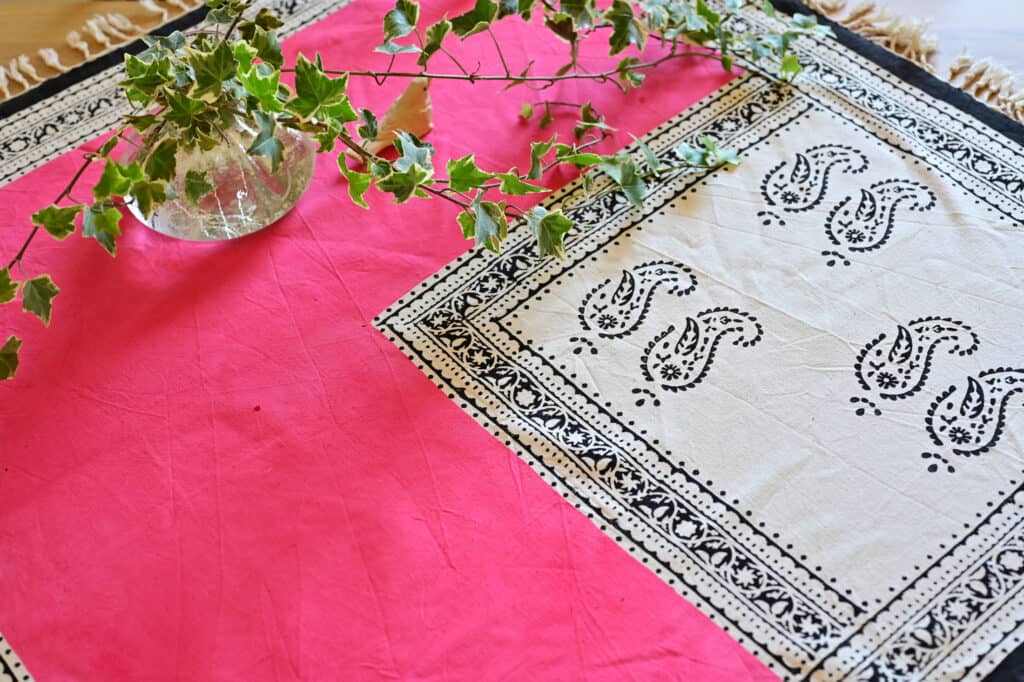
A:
{"x": 11, "y": 667}
{"x": 69, "y": 110}
{"x": 794, "y": 390}
{"x": 213, "y": 467}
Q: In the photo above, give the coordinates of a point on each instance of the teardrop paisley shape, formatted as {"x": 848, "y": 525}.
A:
{"x": 800, "y": 184}
{"x": 898, "y": 368}
{"x": 868, "y": 225}
{"x": 616, "y": 307}
{"x": 968, "y": 420}
{"x": 680, "y": 357}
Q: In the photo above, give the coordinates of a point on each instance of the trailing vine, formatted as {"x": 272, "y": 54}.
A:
{"x": 188, "y": 88}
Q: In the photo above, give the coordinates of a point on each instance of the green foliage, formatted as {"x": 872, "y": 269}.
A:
{"x": 186, "y": 90}
{"x": 9, "y": 357}
{"x": 197, "y": 186}
{"x": 8, "y": 286}
{"x": 58, "y": 221}
{"x": 475, "y": 20}
{"x": 37, "y": 297}
{"x": 102, "y": 222}
{"x": 464, "y": 174}
{"x": 549, "y": 228}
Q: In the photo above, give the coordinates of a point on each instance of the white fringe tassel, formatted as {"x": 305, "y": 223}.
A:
{"x": 908, "y": 37}
{"x": 52, "y": 59}
{"x": 990, "y": 83}
{"x": 151, "y": 6}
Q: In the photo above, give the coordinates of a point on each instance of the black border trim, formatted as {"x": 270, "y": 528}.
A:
{"x": 54, "y": 86}
{"x": 913, "y": 74}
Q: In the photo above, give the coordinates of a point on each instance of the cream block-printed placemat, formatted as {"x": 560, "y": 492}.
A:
{"x": 793, "y": 389}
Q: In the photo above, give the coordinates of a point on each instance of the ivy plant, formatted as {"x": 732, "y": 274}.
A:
{"x": 187, "y": 87}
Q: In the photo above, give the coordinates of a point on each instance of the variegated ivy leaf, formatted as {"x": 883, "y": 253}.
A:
{"x": 37, "y": 297}
{"x": 9, "y": 357}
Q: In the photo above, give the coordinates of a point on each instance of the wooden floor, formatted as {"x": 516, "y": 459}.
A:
{"x": 985, "y": 28}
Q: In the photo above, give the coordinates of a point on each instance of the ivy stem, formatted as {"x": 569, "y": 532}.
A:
{"x": 473, "y": 77}
{"x": 89, "y": 158}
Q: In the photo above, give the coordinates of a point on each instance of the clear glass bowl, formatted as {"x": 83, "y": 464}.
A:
{"x": 247, "y": 196}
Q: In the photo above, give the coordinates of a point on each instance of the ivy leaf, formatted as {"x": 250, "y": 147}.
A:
{"x": 211, "y": 69}
{"x": 358, "y": 182}
{"x": 401, "y": 21}
{"x": 790, "y": 65}
{"x": 537, "y": 152}
{"x": 547, "y": 119}
{"x": 115, "y": 180}
{"x": 566, "y": 154}
{"x": 464, "y": 174}
{"x": 467, "y": 221}
{"x": 435, "y": 36}
{"x": 626, "y": 73}
{"x": 622, "y": 170}
{"x": 197, "y": 186}
{"x": 394, "y": 48}
{"x": 9, "y": 358}
{"x": 263, "y": 85}
{"x": 8, "y": 286}
{"x": 244, "y": 55}
{"x": 582, "y": 12}
{"x": 102, "y": 222}
{"x": 653, "y": 163}
{"x": 161, "y": 162}
{"x": 768, "y": 8}
{"x": 404, "y": 184}
{"x": 58, "y": 221}
{"x": 37, "y": 297}
{"x": 182, "y": 109}
{"x": 491, "y": 226}
{"x": 369, "y": 129}
{"x": 549, "y": 228}
{"x": 413, "y": 152}
{"x": 265, "y": 143}
{"x": 266, "y": 19}
{"x": 148, "y": 194}
{"x": 267, "y": 44}
{"x": 526, "y": 111}
{"x": 511, "y": 184}
{"x": 626, "y": 30}
{"x": 475, "y": 20}
{"x": 314, "y": 90}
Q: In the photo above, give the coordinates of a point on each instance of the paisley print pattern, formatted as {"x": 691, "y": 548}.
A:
{"x": 868, "y": 225}
{"x": 800, "y": 184}
{"x": 679, "y": 358}
{"x": 898, "y": 368}
{"x": 968, "y": 420}
{"x": 615, "y": 308}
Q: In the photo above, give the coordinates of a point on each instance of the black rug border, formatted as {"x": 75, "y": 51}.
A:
{"x": 912, "y": 74}
{"x": 54, "y": 86}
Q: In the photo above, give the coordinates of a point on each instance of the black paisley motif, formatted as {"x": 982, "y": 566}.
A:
{"x": 968, "y": 420}
{"x": 898, "y": 368}
{"x": 800, "y": 185}
{"x": 679, "y": 359}
{"x": 868, "y": 225}
{"x": 615, "y": 308}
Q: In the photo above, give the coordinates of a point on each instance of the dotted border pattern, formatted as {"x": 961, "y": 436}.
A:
{"x": 11, "y": 667}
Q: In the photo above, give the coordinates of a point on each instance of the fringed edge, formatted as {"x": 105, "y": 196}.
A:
{"x": 908, "y": 37}
{"x": 110, "y": 31}
{"x": 991, "y": 83}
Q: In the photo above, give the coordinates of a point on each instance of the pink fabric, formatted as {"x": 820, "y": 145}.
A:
{"x": 212, "y": 467}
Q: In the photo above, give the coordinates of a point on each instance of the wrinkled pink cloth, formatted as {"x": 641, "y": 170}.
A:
{"x": 212, "y": 467}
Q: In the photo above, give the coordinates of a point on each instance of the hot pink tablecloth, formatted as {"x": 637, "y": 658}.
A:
{"x": 212, "y": 467}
